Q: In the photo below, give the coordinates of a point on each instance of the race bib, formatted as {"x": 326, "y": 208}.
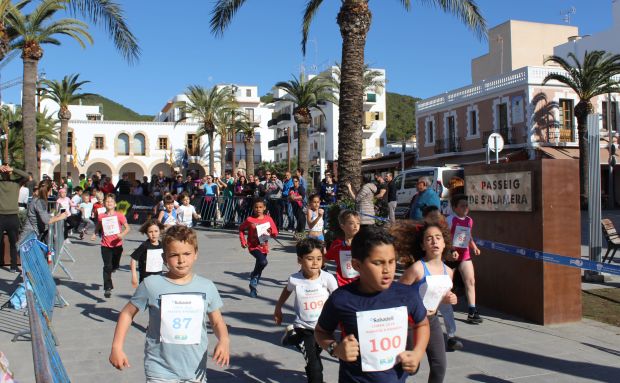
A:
{"x": 154, "y": 260}
{"x": 262, "y": 232}
{"x": 101, "y": 210}
{"x": 182, "y": 316}
{"x": 462, "y": 236}
{"x": 346, "y": 268}
{"x": 433, "y": 291}
{"x": 310, "y": 300}
{"x": 382, "y": 337}
{"x": 110, "y": 226}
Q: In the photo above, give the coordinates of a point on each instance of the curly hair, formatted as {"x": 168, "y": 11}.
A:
{"x": 409, "y": 237}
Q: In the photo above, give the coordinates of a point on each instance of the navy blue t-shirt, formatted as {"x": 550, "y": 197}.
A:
{"x": 340, "y": 311}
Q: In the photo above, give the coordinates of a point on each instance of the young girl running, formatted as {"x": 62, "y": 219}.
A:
{"x": 186, "y": 213}
{"x": 428, "y": 248}
{"x": 259, "y": 228}
{"x": 314, "y": 218}
{"x": 149, "y": 255}
{"x": 110, "y": 223}
{"x": 168, "y": 216}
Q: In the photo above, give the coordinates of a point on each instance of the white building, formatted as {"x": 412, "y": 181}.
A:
{"x": 144, "y": 148}
{"x": 374, "y": 127}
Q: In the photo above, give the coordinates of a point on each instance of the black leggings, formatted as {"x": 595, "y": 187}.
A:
{"x": 436, "y": 351}
{"x": 311, "y": 352}
{"x": 111, "y": 260}
{"x": 300, "y": 217}
{"x": 261, "y": 263}
{"x": 10, "y": 224}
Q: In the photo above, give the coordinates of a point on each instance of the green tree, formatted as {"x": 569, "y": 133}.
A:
{"x": 305, "y": 96}
{"x": 204, "y": 106}
{"x": 247, "y": 128}
{"x": 588, "y": 79}
{"x": 354, "y": 18}
{"x": 230, "y": 122}
{"x": 373, "y": 80}
{"x": 64, "y": 93}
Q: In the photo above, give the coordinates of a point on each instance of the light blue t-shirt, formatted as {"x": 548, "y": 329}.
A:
{"x": 174, "y": 361}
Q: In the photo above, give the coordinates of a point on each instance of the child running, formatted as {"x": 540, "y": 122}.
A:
{"x": 86, "y": 208}
{"x": 314, "y": 218}
{"x": 422, "y": 254}
{"x": 149, "y": 255}
{"x": 168, "y": 216}
{"x": 259, "y": 228}
{"x": 373, "y": 314}
{"x": 110, "y": 223}
{"x": 340, "y": 250}
{"x": 312, "y": 286}
{"x": 176, "y": 347}
{"x": 186, "y": 213}
{"x": 461, "y": 225}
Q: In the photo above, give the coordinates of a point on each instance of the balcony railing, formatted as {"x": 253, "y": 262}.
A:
{"x": 448, "y": 145}
{"x": 284, "y": 117}
{"x": 272, "y": 122}
{"x": 272, "y": 144}
{"x": 554, "y": 134}
{"x": 282, "y": 140}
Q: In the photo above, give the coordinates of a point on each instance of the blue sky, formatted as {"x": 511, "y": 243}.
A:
{"x": 425, "y": 51}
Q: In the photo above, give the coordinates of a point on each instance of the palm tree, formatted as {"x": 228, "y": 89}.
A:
{"x": 354, "y": 20}
{"x": 588, "y": 79}
{"x": 205, "y": 105}
{"x": 373, "y": 79}
{"x": 64, "y": 94}
{"x": 230, "y": 122}
{"x": 248, "y": 141}
{"x": 33, "y": 30}
{"x": 305, "y": 95}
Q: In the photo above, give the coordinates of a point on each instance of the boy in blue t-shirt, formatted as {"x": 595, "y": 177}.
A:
{"x": 178, "y": 302}
{"x": 373, "y": 314}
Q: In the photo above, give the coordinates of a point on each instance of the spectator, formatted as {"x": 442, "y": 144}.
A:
{"x": 136, "y": 189}
{"x": 296, "y": 195}
{"x": 364, "y": 200}
{"x": 123, "y": 187}
{"x": 328, "y": 190}
{"x": 273, "y": 191}
{"x": 424, "y": 197}
{"x": 287, "y": 184}
{"x": 391, "y": 197}
{"x": 107, "y": 187}
{"x": 37, "y": 217}
{"x": 9, "y": 208}
{"x": 24, "y": 195}
{"x": 302, "y": 181}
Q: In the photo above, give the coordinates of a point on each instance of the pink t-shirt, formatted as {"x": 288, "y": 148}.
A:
{"x": 460, "y": 230}
{"x": 112, "y": 240}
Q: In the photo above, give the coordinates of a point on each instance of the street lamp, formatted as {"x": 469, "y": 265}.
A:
{"x": 233, "y": 90}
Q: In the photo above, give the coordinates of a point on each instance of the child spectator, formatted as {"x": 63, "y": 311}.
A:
{"x": 312, "y": 287}
{"x": 314, "y": 218}
{"x": 297, "y": 195}
{"x": 186, "y": 213}
{"x": 259, "y": 228}
{"x": 149, "y": 254}
{"x": 176, "y": 348}
{"x": 340, "y": 249}
{"x": 98, "y": 207}
{"x": 110, "y": 223}
{"x": 373, "y": 314}
{"x": 86, "y": 209}
{"x": 461, "y": 225}
{"x": 168, "y": 216}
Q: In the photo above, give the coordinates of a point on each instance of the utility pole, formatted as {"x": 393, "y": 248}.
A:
{"x": 612, "y": 158}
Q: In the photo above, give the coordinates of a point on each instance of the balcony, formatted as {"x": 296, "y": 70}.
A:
{"x": 282, "y": 140}
{"x": 272, "y": 122}
{"x": 448, "y": 145}
{"x": 369, "y": 130}
{"x": 272, "y": 144}
{"x": 254, "y": 120}
{"x": 284, "y": 117}
{"x": 370, "y": 98}
{"x": 555, "y": 135}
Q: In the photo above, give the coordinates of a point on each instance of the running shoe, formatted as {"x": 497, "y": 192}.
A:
{"x": 473, "y": 317}
{"x": 253, "y": 285}
{"x": 253, "y": 292}
{"x": 107, "y": 293}
{"x": 287, "y": 338}
{"x": 454, "y": 344}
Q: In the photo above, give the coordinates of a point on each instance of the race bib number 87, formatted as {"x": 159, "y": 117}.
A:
{"x": 182, "y": 316}
{"x": 383, "y": 336}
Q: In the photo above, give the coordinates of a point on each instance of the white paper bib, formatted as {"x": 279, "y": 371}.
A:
{"x": 182, "y": 316}
{"x": 101, "y": 210}
{"x": 462, "y": 236}
{"x": 310, "y": 300}
{"x": 346, "y": 268}
{"x": 154, "y": 260}
{"x": 382, "y": 337}
{"x": 433, "y": 291}
{"x": 262, "y": 232}
{"x": 110, "y": 225}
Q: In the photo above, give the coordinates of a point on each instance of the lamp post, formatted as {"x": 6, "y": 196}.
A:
{"x": 612, "y": 158}
{"x": 233, "y": 89}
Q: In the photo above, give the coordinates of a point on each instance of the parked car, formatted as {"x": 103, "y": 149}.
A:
{"x": 440, "y": 177}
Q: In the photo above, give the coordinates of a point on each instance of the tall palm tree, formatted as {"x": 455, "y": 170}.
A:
{"x": 305, "y": 95}
{"x": 373, "y": 79}
{"x": 204, "y": 106}
{"x": 248, "y": 141}
{"x": 33, "y": 30}
{"x": 354, "y": 20}
{"x": 230, "y": 122}
{"x": 64, "y": 93}
{"x": 588, "y": 79}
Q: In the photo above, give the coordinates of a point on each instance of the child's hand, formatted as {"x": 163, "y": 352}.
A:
{"x": 118, "y": 359}
{"x": 221, "y": 353}
{"x": 277, "y": 315}
{"x": 409, "y": 361}
{"x": 476, "y": 250}
{"x": 455, "y": 255}
{"x": 93, "y": 237}
{"x": 134, "y": 282}
{"x": 348, "y": 350}
{"x": 321, "y": 212}
{"x": 244, "y": 245}
{"x": 449, "y": 298}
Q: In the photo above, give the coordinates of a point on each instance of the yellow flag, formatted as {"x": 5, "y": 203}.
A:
{"x": 76, "y": 163}
{"x": 171, "y": 157}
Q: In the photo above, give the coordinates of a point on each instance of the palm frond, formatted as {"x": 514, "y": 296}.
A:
{"x": 311, "y": 8}
{"x": 465, "y": 10}
{"x": 222, "y": 15}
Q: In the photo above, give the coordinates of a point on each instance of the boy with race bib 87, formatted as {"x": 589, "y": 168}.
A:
{"x": 373, "y": 313}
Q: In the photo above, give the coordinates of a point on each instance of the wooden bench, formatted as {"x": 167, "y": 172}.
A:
{"x": 612, "y": 237}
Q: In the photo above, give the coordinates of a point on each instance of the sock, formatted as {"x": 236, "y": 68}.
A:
{"x": 472, "y": 309}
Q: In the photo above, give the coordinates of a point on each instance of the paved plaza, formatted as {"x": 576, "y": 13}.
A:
{"x": 502, "y": 349}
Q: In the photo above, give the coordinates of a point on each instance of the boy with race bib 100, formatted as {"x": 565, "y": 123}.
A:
{"x": 373, "y": 313}
{"x": 179, "y": 304}
{"x": 340, "y": 249}
{"x": 312, "y": 286}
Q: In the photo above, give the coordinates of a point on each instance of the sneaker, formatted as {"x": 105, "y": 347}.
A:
{"x": 253, "y": 292}
{"x": 107, "y": 293}
{"x": 253, "y": 282}
{"x": 81, "y": 235}
{"x": 289, "y": 332}
{"x": 454, "y": 344}
{"x": 15, "y": 270}
{"x": 473, "y": 317}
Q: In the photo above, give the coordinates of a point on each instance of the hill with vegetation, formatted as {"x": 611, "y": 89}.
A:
{"x": 113, "y": 111}
{"x": 401, "y": 124}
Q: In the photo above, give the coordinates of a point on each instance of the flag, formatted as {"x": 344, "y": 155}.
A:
{"x": 76, "y": 163}
{"x": 86, "y": 157}
{"x": 171, "y": 158}
{"x": 185, "y": 159}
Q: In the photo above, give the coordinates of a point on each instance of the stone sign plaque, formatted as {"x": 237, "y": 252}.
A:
{"x": 500, "y": 192}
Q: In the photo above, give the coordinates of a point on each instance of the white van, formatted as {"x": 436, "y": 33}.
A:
{"x": 406, "y": 186}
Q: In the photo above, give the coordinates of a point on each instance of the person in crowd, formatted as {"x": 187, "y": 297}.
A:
{"x": 242, "y": 205}
{"x": 209, "y": 206}
{"x": 136, "y": 189}
{"x": 186, "y": 213}
{"x": 74, "y": 221}
{"x": 149, "y": 255}
{"x": 312, "y": 286}
{"x": 364, "y": 200}
{"x": 329, "y": 190}
{"x": 287, "y": 208}
{"x": 228, "y": 189}
{"x": 168, "y": 216}
{"x": 123, "y": 186}
{"x": 31, "y": 184}
{"x": 314, "y": 218}
{"x": 82, "y": 181}
{"x": 424, "y": 197}
{"x": 392, "y": 200}
{"x": 69, "y": 181}
{"x": 356, "y": 307}
{"x": 63, "y": 202}
{"x": 259, "y": 227}
{"x": 23, "y": 195}
{"x": 145, "y": 186}
{"x": 297, "y": 195}
{"x": 273, "y": 192}
{"x": 86, "y": 211}
{"x": 10, "y": 184}
{"x": 175, "y": 352}
{"x": 340, "y": 249}
{"x": 107, "y": 187}
{"x": 179, "y": 185}
{"x": 37, "y": 217}
{"x": 299, "y": 172}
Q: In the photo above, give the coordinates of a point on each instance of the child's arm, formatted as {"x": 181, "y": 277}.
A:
{"x": 473, "y": 246}
{"x": 277, "y": 313}
{"x": 311, "y": 223}
{"x": 124, "y": 232}
{"x": 221, "y": 353}
{"x": 411, "y": 275}
{"x": 117, "y": 356}
{"x": 410, "y": 360}
{"x": 242, "y": 229}
{"x": 134, "y": 274}
{"x": 160, "y": 216}
{"x": 347, "y": 350}
{"x": 97, "y": 230}
{"x": 274, "y": 228}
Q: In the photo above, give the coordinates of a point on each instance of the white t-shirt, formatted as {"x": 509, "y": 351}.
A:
{"x": 24, "y": 193}
{"x": 76, "y": 200}
{"x": 310, "y": 295}
{"x": 88, "y": 209}
{"x": 185, "y": 215}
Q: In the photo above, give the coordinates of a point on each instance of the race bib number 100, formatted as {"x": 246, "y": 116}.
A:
{"x": 181, "y": 318}
{"x": 383, "y": 336}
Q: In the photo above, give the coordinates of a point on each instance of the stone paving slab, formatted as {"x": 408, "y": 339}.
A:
{"x": 502, "y": 349}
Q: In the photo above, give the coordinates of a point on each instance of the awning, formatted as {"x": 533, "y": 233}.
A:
{"x": 560, "y": 153}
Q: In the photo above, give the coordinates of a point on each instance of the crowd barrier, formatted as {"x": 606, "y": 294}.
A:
{"x": 232, "y": 211}
{"x": 58, "y": 247}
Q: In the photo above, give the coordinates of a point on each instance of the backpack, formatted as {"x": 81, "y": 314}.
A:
{"x": 18, "y": 298}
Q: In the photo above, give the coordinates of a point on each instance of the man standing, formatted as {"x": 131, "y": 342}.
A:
{"x": 273, "y": 191}
{"x": 10, "y": 180}
{"x": 123, "y": 186}
{"x": 287, "y": 184}
{"x": 228, "y": 189}
{"x": 423, "y": 198}
{"x": 391, "y": 197}
{"x": 328, "y": 190}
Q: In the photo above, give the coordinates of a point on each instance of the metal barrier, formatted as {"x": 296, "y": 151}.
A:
{"x": 231, "y": 211}
{"x": 56, "y": 241}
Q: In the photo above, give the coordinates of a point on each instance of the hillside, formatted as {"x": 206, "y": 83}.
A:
{"x": 401, "y": 123}
{"x": 113, "y": 111}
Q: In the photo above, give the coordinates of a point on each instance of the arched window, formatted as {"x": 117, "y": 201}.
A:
{"x": 139, "y": 147}
{"x": 122, "y": 144}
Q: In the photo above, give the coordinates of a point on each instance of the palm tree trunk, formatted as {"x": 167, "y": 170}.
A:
{"x": 222, "y": 155}
{"x": 354, "y": 21}
{"x": 234, "y": 150}
{"x": 211, "y": 153}
{"x": 303, "y": 151}
{"x": 581, "y": 112}
{"x": 249, "y": 155}
{"x": 29, "y": 116}
{"x": 64, "y": 127}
